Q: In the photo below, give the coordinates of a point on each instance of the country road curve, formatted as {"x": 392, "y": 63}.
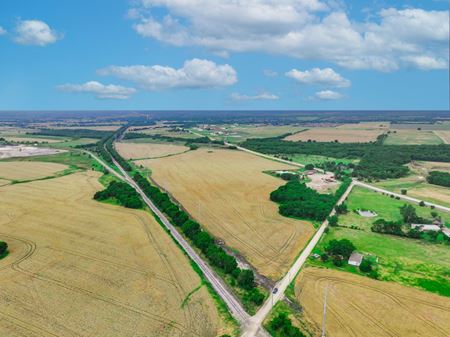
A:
{"x": 216, "y": 282}
{"x": 253, "y": 326}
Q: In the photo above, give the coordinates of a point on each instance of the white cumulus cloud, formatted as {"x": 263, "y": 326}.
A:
{"x": 328, "y": 95}
{"x": 35, "y": 32}
{"x": 2, "y": 31}
{"x": 326, "y": 77}
{"x": 100, "y": 90}
{"x": 263, "y": 96}
{"x": 195, "y": 73}
{"x": 307, "y": 29}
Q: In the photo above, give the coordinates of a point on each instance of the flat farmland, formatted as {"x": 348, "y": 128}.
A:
{"x": 33, "y": 140}
{"x": 444, "y": 135}
{"x": 148, "y": 150}
{"x": 228, "y": 193}
{"x": 412, "y": 137}
{"x": 416, "y": 184}
{"x": 164, "y": 131}
{"x": 319, "y": 134}
{"x": 78, "y": 267}
{"x": 21, "y": 170}
{"x": 361, "y": 307}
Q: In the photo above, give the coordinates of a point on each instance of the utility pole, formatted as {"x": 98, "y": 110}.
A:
{"x": 324, "y": 321}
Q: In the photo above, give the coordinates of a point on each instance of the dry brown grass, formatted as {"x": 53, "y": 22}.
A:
{"x": 78, "y": 267}
{"x": 361, "y": 307}
{"x": 357, "y": 135}
{"x": 148, "y": 150}
{"x": 228, "y": 193}
{"x": 22, "y": 170}
{"x": 33, "y": 140}
{"x": 444, "y": 135}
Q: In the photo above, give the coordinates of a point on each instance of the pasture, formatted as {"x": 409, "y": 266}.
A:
{"x": 416, "y": 184}
{"x": 342, "y": 135}
{"x": 227, "y": 192}
{"x": 361, "y": 307}
{"x": 78, "y": 267}
{"x": 130, "y": 150}
{"x": 444, "y": 135}
{"x": 412, "y": 137}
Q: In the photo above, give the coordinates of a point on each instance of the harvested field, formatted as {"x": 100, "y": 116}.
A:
{"x": 148, "y": 150}
{"x": 412, "y": 137}
{"x": 444, "y": 135}
{"x": 362, "y": 307}
{"x": 365, "y": 126}
{"x": 357, "y": 135}
{"x": 78, "y": 267}
{"x": 22, "y": 170}
{"x": 33, "y": 140}
{"x": 10, "y": 151}
{"x": 228, "y": 193}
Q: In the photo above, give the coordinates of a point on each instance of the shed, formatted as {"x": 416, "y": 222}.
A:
{"x": 426, "y": 227}
{"x": 355, "y": 259}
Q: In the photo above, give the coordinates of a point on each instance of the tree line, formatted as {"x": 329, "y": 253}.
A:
{"x": 73, "y": 133}
{"x": 376, "y": 161}
{"x": 215, "y": 254}
{"x": 122, "y": 192}
{"x": 295, "y": 199}
{"x": 439, "y": 178}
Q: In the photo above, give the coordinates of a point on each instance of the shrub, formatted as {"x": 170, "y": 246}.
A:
{"x": 333, "y": 220}
{"x": 3, "y": 247}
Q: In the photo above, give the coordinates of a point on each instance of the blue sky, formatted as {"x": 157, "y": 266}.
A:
{"x": 205, "y": 54}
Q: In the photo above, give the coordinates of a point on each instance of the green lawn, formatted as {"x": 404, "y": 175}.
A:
{"x": 315, "y": 159}
{"x": 386, "y": 208}
{"x": 406, "y": 261}
{"x": 72, "y": 159}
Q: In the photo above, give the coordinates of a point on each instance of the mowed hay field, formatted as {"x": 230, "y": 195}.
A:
{"x": 412, "y": 137}
{"x": 330, "y": 134}
{"x": 22, "y": 170}
{"x": 78, "y": 267}
{"x": 444, "y": 135}
{"x": 227, "y": 192}
{"x": 361, "y": 307}
{"x": 148, "y": 150}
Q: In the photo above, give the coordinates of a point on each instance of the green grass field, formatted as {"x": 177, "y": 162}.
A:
{"x": 386, "y": 208}
{"x": 411, "y": 137}
{"x": 406, "y": 261}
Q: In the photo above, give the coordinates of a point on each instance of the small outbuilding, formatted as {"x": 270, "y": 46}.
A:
{"x": 426, "y": 227}
{"x": 355, "y": 259}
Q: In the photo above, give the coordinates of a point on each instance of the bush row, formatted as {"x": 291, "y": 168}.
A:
{"x": 215, "y": 254}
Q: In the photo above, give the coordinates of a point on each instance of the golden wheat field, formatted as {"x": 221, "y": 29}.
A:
{"x": 148, "y": 150}
{"x": 22, "y": 170}
{"x": 228, "y": 193}
{"x": 78, "y": 267}
{"x": 361, "y": 307}
{"x": 357, "y": 135}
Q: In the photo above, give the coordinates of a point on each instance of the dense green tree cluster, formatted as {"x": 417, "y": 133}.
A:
{"x": 298, "y": 200}
{"x": 73, "y": 133}
{"x": 388, "y": 227}
{"x": 376, "y": 161}
{"x": 281, "y": 326}
{"x": 343, "y": 248}
{"x": 122, "y": 192}
{"x": 215, "y": 254}
{"x": 439, "y": 178}
{"x": 3, "y": 248}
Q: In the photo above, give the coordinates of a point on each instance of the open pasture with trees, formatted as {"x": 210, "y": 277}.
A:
{"x": 227, "y": 192}
{"x": 162, "y": 130}
{"x": 361, "y": 307}
{"x": 78, "y": 266}
{"x": 340, "y": 134}
{"x": 23, "y": 170}
{"x": 412, "y": 137}
{"x": 416, "y": 185}
{"x": 148, "y": 150}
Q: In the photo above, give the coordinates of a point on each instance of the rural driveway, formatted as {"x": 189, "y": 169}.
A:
{"x": 253, "y": 327}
